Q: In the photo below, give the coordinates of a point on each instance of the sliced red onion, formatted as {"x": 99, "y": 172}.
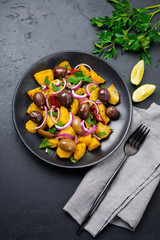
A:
{"x": 58, "y": 117}
{"x": 55, "y": 93}
{"x": 78, "y": 96}
{"x": 91, "y": 101}
{"x": 98, "y": 102}
{"x": 77, "y": 86}
{"x": 96, "y": 83}
{"x": 90, "y": 131}
{"x": 67, "y": 124}
{"x": 45, "y": 118}
{"x": 97, "y": 137}
{"x": 58, "y": 83}
{"x": 84, "y": 64}
{"x": 44, "y": 88}
{"x": 65, "y": 135}
{"x": 76, "y": 140}
{"x": 83, "y": 126}
{"x": 47, "y": 102}
{"x": 87, "y": 86}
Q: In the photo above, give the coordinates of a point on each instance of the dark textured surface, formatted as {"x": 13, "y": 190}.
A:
{"x": 33, "y": 193}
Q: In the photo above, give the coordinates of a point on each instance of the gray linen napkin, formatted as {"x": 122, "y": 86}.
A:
{"x": 132, "y": 189}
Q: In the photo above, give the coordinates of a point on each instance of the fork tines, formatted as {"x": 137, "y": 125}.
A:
{"x": 138, "y": 136}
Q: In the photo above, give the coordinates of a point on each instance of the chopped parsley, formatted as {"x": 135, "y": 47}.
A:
{"x": 78, "y": 76}
{"x": 46, "y": 81}
{"x": 59, "y": 123}
{"x": 52, "y": 130}
{"x": 44, "y": 143}
{"x": 48, "y": 150}
{"x": 101, "y": 134}
{"x": 73, "y": 159}
{"x": 91, "y": 120}
{"x": 55, "y": 89}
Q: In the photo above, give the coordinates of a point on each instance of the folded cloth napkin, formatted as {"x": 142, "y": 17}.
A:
{"x": 131, "y": 191}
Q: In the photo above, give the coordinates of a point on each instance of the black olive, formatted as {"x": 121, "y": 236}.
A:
{"x": 36, "y": 117}
{"x": 59, "y": 72}
{"x": 84, "y": 111}
{"x": 39, "y": 99}
{"x": 112, "y": 112}
{"x": 103, "y": 95}
{"x": 65, "y": 98}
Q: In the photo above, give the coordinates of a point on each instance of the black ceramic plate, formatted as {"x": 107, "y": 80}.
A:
{"x": 21, "y": 101}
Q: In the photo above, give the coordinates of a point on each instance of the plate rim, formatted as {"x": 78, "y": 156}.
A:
{"x": 55, "y": 164}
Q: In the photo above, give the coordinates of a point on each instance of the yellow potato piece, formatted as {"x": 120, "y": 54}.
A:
{"x": 102, "y": 112}
{"x": 33, "y": 107}
{"x": 63, "y": 154}
{"x": 74, "y": 106}
{"x": 53, "y": 141}
{"x": 64, "y": 115}
{"x": 65, "y": 64}
{"x": 94, "y": 76}
{"x": 30, "y": 126}
{"x": 80, "y": 151}
{"x": 103, "y": 128}
{"x": 41, "y": 76}
{"x": 114, "y": 99}
{"x": 69, "y": 130}
{"x": 87, "y": 139}
{"x": 94, "y": 144}
{"x": 84, "y": 70}
{"x": 94, "y": 94}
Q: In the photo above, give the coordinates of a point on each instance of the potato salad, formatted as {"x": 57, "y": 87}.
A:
{"x": 71, "y": 110}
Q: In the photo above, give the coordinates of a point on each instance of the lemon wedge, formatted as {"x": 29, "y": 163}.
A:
{"x": 142, "y": 92}
{"x": 137, "y": 73}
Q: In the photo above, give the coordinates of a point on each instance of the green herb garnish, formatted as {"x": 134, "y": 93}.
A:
{"x": 48, "y": 150}
{"x": 65, "y": 66}
{"x": 78, "y": 76}
{"x": 54, "y": 114}
{"x": 52, "y": 130}
{"x": 45, "y": 143}
{"x": 55, "y": 89}
{"x": 91, "y": 89}
{"x": 46, "y": 81}
{"x": 91, "y": 120}
{"x": 101, "y": 134}
{"x": 102, "y": 86}
{"x": 73, "y": 159}
{"x": 129, "y": 28}
{"x": 59, "y": 123}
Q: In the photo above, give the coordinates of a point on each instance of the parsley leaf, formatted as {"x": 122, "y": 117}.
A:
{"x": 73, "y": 159}
{"x": 52, "y": 130}
{"x": 55, "y": 89}
{"x": 45, "y": 143}
{"x": 101, "y": 134}
{"x": 48, "y": 150}
{"x": 91, "y": 120}
{"x": 46, "y": 81}
{"x": 59, "y": 123}
{"x": 78, "y": 76}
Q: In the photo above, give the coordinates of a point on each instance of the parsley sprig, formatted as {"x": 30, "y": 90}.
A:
{"x": 79, "y": 76}
{"x": 128, "y": 27}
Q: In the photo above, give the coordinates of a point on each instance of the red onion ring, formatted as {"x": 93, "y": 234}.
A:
{"x": 90, "y": 131}
{"x": 87, "y": 86}
{"x": 84, "y": 64}
{"x": 65, "y": 135}
{"x": 77, "y": 86}
{"x": 97, "y": 137}
{"x": 44, "y": 88}
{"x": 67, "y": 124}
{"x": 55, "y": 93}
{"x": 83, "y": 126}
{"x": 45, "y": 118}
{"x": 47, "y": 102}
{"x": 58, "y": 83}
{"x": 91, "y": 101}
{"x": 98, "y": 102}
{"x": 58, "y": 117}
{"x": 78, "y": 96}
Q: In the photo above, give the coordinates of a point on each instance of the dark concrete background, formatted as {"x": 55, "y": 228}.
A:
{"x": 32, "y": 193}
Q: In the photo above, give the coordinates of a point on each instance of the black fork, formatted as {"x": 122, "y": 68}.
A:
{"x": 131, "y": 147}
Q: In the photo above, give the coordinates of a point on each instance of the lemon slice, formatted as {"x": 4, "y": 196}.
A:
{"x": 137, "y": 73}
{"x": 143, "y": 92}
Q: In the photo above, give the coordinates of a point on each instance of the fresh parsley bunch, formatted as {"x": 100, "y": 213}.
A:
{"x": 128, "y": 27}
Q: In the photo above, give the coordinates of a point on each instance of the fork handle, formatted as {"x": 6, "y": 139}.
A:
{"x": 101, "y": 195}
